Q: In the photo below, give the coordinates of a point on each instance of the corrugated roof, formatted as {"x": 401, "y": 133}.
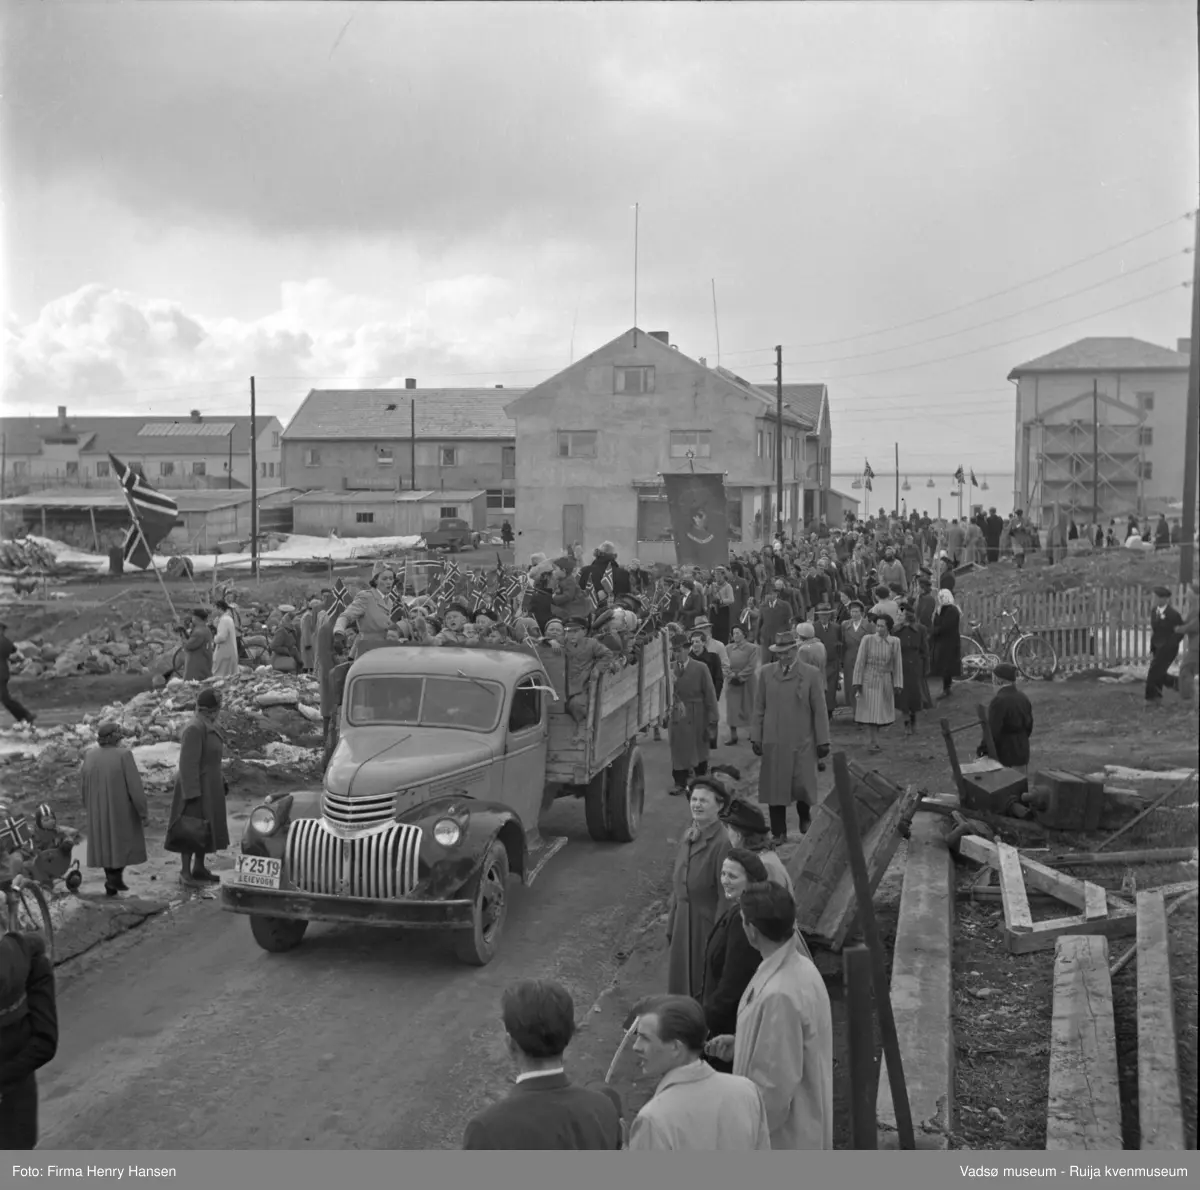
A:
{"x": 1105, "y": 355}
{"x": 427, "y": 496}
{"x": 186, "y": 429}
{"x": 187, "y": 499}
{"x": 386, "y": 413}
{"x": 123, "y": 436}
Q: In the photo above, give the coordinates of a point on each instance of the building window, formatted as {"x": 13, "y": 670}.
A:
{"x": 694, "y": 443}
{"x": 21, "y": 467}
{"x": 633, "y": 380}
{"x": 265, "y": 469}
{"x": 72, "y": 470}
{"x": 447, "y": 456}
{"x": 770, "y": 444}
{"x": 275, "y": 440}
{"x": 1145, "y": 435}
{"x": 166, "y": 468}
{"x": 501, "y": 499}
{"x": 449, "y": 512}
{"x": 824, "y": 456}
{"x": 760, "y": 444}
{"x": 1147, "y": 470}
{"x": 1145, "y": 402}
{"x": 384, "y": 458}
{"x": 577, "y": 444}
{"x": 508, "y": 456}
{"x": 653, "y": 517}
{"x": 733, "y": 517}
{"x": 200, "y": 468}
{"x": 364, "y": 518}
{"x": 312, "y": 458}
{"x": 103, "y": 468}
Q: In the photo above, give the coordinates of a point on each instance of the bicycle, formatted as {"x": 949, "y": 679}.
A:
{"x": 1033, "y": 655}
{"x": 26, "y": 909}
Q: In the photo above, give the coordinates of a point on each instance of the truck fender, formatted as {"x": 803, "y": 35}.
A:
{"x": 453, "y": 869}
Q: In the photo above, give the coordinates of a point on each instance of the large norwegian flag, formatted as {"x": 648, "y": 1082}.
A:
{"x": 154, "y": 514}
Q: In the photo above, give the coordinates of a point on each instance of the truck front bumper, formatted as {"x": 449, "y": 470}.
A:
{"x": 302, "y": 906}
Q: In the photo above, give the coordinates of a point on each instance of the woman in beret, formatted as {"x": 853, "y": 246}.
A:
{"x": 117, "y": 814}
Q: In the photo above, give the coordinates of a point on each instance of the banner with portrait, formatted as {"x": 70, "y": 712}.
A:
{"x": 699, "y": 518}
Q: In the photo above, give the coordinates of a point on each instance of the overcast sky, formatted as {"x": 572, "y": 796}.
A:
{"x": 316, "y": 193}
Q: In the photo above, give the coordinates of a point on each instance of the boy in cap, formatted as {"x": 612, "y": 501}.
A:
{"x": 584, "y": 656}
{"x": 1164, "y": 644}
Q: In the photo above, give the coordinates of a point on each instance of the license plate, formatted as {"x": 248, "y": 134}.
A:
{"x": 257, "y": 871}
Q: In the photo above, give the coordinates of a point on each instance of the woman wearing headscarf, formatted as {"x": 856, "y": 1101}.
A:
{"x": 878, "y": 679}
{"x": 117, "y": 814}
{"x": 696, "y": 896}
{"x": 199, "y": 794}
{"x": 854, "y": 630}
{"x": 729, "y": 959}
{"x": 225, "y": 651}
{"x": 197, "y": 648}
{"x": 371, "y": 613}
{"x": 945, "y": 642}
{"x": 739, "y": 691}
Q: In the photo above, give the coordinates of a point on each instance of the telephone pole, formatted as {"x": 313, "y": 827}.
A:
{"x": 897, "y": 445}
{"x": 1187, "y": 549}
{"x": 1096, "y": 450}
{"x": 779, "y": 438}
{"x": 253, "y": 484}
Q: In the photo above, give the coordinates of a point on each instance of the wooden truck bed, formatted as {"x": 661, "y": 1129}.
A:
{"x": 623, "y": 703}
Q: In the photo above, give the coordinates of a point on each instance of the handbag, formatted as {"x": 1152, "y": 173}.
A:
{"x": 189, "y": 834}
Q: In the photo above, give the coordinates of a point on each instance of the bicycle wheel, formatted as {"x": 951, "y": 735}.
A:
{"x": 976, "y": 662}
{"x": 1035, "y": 657}
{"x": 32, "y": 914}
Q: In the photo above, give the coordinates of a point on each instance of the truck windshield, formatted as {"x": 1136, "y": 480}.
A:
{"x": 412, "y": 701}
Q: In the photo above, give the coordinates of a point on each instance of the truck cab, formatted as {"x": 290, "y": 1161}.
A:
{"x": 452, "y": 533}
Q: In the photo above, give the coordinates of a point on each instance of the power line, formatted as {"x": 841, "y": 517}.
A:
{"x": 976, "y": 301}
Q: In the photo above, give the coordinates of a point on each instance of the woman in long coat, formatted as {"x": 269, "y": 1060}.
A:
{"x": 200, "y": 789}
{"x": 854, "y": 630}
{"x": 197, "y": 664}
{"x": 739, "y": 690}
{"x": 111, "y": 787}
{"x": 729, "y": 959}
{"x": 225, "y": 651}
{"x": 790, "y": 724}
{"x": 879, "y": 678}
{"x": 914, "y": 655}
{"x": 694, "y": 716}
{"x": 696, "y": 896}
{"x": 945, "y": 642}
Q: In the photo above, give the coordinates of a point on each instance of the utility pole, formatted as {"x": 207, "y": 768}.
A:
{"x": 3, "y": 463}
{"x": 253, "y": 484}
{"x": 229, "y": 463}
{"x": 1187, "y": 550}
{"x": 1096, "y": 451}
{"x": 779, "y": 437}
{"x": 412, "y": 441}
{"x": 897, "y": 478}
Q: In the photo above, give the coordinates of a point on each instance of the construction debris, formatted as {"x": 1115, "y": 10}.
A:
{"x": 26, "y": 557}
{"x": 132, "y": 648}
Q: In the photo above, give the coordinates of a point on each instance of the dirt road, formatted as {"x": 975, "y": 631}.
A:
{"x": 192, "y": 1037}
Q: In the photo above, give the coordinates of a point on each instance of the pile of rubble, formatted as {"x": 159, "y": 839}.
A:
{"x": 258, "y": 709}
{"x": 132, "y": 648}
{"x": 23, "y": 557}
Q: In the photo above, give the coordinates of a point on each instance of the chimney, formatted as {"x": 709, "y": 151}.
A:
{"x": 662, "y": 336}
{"x": 62, "y": 417}
{"x": 410, "y": 382}
{"x": 1183, "y": 346}
{"x": 703, "y": 362}
{"x": 196, "y": 415}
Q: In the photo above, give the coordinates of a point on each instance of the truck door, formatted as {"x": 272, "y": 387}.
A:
{"x": 525, "y": 751}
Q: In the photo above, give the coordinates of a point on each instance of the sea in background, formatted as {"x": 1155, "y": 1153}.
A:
{"x": 923, "y": 498}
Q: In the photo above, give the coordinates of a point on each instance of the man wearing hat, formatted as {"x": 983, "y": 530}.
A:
{"x": 584, "y": 656}
{"x": 926, "y": 603}
{"x": 1010, "y": 720}
{"x": 17, "y": 710}
{"x": 28, "y": 1034}
{"x": 775, "y": 616}
{"x": 811, "y": 651}
{"x": 829, "y": 633}
{"x": 712, "y": 645}
{"x": 1164, "y": 644}
{"x": 790, "y": 732}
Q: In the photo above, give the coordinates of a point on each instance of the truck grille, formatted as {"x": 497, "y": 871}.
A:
{"x": 381, "y": 865}
{"x": 359, "y": 811}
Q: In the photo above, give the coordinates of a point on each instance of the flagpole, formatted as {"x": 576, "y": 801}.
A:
{"x": 153, "y": 566}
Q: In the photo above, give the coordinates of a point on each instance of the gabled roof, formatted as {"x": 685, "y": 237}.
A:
{"x": 1106, "y": 355}
{"x": 125, "y": 436}
{"x": 809, "y": 402}
{"x": 731, "y": 380}
{"x": 370, "y": 414}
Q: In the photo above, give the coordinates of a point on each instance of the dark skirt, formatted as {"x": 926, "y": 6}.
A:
{"x": 721, "y": 624}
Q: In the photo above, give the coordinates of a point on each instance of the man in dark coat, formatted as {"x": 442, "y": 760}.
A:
{"x": 1010, "y": 720}
{"x": 11, "y": 705}
{"x": 993, "y": 527}
{"x": 776, "y": 617}
{"x": 544, "y": 1110}
{"x": 28, "y": 1034}
{"x": 1164, "y": 644}
{"x": 605, "y": 563}
{"x": 829, "y": 634}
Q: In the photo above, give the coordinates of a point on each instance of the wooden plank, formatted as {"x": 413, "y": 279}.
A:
{"x": 1043, "y": 935}
{"x": 1160, "y": 1106}
{"x": 1017, "y": 917}
{"x": 1095, "y": 901}
{"x": 1084, "y": 1108}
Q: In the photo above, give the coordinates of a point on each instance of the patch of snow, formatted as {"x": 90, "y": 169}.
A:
{"x": 1118, "y": 772}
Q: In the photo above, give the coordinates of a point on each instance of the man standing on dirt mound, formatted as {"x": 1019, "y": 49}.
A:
{"x": 16, "y": 709}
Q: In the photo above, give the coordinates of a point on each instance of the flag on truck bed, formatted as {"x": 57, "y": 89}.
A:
{"x": 154, "y": 514}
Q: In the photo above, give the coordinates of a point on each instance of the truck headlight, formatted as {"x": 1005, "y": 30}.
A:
{"x": 263, "y": 820}
{"x": 447, "y": 832}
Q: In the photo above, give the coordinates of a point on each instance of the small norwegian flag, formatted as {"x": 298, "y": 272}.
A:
{"x": 959, "y": 476}
{"x": 399, "y": 607}
{"x": 513, "y": 587}
{"x": 15, "y": 833}
{"x": 591, "y": 595}
{"x": 607, "y": 581}
{"x": 974, "y": 481}
{"x": 744, "y": 618}
{"x": 867, "y": 472}
{"x": 341, "y": 597}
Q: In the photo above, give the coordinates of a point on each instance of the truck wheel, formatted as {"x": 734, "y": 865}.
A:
{"x": 477, "y": 946}
{"x": 595, "y": 808}
{"x": 625, "y": 792}
{"x": 277, "y": 934}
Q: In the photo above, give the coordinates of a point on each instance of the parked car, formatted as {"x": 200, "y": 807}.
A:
{"x": 452, "y": 533}
{"x": 446, "y": 760}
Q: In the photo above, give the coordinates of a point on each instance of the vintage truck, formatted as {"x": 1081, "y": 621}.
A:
{"x": 447, "y": 759}
{"x": 452, "y": 533}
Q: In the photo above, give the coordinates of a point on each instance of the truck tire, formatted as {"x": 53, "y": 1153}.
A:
{"x": 277, "y": 934}
{"x": 595, "y": 808}
{"x": 478, "y": 946}
{"x": 625, "y": 793}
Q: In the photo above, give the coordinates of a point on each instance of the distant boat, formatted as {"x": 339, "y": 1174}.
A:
{"x": 931, "y": 484}
{"x": 906, "y": 486}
